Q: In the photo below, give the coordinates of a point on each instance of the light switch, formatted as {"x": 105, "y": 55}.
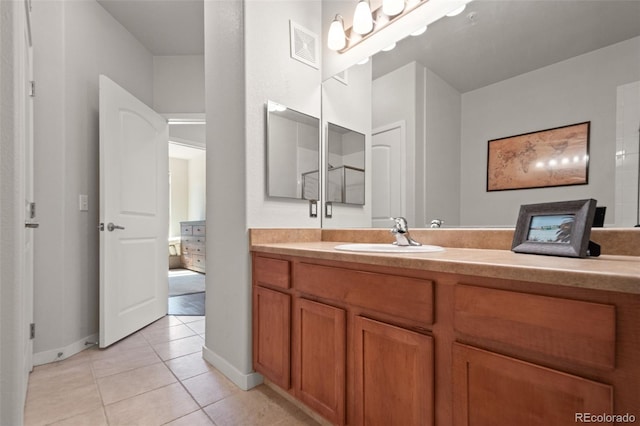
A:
{"x": 313, "y": 208}
{"x": 83, "y": 203}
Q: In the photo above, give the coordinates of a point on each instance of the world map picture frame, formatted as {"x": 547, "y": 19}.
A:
{"x": 552, "y": 157}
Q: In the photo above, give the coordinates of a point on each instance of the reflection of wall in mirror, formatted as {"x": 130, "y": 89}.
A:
{"x": 582, "y": 88}
{"x": 293, "y": 151}
{"x": 283, "y": 177}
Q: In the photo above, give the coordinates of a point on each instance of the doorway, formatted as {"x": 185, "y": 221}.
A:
{"x": 187, "y": 225}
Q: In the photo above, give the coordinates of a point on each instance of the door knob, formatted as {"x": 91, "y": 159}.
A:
{"x": 111, "y": 227}
{"x": 31, "y": 225}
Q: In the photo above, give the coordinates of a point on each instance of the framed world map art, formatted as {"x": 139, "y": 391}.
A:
{"x": 552, "y": 157}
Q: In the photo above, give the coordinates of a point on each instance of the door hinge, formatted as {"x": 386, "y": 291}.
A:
{"x": 32, "y": 210}
{"x": 32, "y": 89}
{"x": 32, "y": 331}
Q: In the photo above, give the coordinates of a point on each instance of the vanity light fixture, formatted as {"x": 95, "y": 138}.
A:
{"x": 337, "y": 39}
{"x": 389, "y": 47}
{"x": 367, "y": 22}
{"x": 419, "y": 31}
{"x": 362, "y": 18}
{"x": 457, "y": 11}
{"x": 392, "y": 7}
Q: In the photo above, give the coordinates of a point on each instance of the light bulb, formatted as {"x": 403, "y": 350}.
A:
{"x": 362, "y": 21}
{"x": 457, "y": 11}
{"x": 337, "y": 39}
{"x": 392, "y": 7}
{"x": 364, "y": 61}
{"x": 419, "y": 31}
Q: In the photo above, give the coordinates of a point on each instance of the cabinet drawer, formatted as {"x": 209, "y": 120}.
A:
{"x": 199, "y": 230}
{"x": 403, "y": 297}
{"x": 198, "y": 261}
{"x": 577, "y": 331}
{"x": 197, "y": 248}
{"x": 186, "y": 230}
{"x": 271, "y": 272}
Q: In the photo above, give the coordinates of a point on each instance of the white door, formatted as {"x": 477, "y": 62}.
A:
{"x": 134, "y": 191}
{"x": 387, "y": 179}
{"x": 27, "y": 176}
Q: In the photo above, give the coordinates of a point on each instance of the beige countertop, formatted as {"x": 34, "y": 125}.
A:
{"x": 608, "y": 272}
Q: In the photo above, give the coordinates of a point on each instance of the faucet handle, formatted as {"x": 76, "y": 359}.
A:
{"x": 401, "y": 225}
{"x": 437, "y": 223}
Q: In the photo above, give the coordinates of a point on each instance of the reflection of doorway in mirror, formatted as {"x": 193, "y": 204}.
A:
{"x": 627, "y": 155}
{"x": 387, "y": 183}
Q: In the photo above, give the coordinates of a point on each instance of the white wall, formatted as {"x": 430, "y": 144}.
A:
{"x": 627, "y": 154}
{"x": 431, "y": 111}
{"x": 252, "y": 41}
{"x": 228, "y": 303}
{"x": 443, "y": 114}
{"x": 576, "y": 90}
{"x": 396, "y": 98}
{"x": 197, "y": 186}
{"x": 349, "y": 106}
{"x": 75, "y": 42}
{"x": 188, "y": 190}
{"x": 178, "y": 84}
{"x": 271, "y": 74}
{"x": 179, "y": 197}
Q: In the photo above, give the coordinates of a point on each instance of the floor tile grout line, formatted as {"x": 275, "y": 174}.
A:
{"x": 200, "y": 407}
{"x": 95, "y": 380}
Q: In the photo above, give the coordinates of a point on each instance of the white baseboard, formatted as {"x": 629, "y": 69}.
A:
{"x": 53, "y": 355}
{"x": 243, "y": 381}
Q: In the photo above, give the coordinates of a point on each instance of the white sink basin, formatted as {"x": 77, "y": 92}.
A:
{"x": 388, "y": 248}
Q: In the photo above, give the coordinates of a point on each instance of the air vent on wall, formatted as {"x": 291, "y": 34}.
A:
{"x": 304, "y": 45}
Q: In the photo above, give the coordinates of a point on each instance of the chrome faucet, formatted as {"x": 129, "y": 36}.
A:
{"x": 437, "y": 223}
{"x": 401, "y": 231}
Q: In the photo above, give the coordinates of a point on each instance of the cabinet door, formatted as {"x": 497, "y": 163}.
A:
{"x": 271, "y": 335}
{"x": 319, "y": 335}
{"x": 393, "y": 375}
{"x": 495, "y": 390}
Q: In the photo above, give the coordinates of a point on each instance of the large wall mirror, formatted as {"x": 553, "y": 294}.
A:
{"x": 498, "y": 69}
{"x": 293, "y": 153}
{"x": 345, "y": 171}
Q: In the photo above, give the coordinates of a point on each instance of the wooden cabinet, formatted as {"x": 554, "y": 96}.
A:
{"x": 319, "y": 361}
{"x": 271, "y": 335}
{"x": 393, "y": 375}
{"x": 193, "y": 245}
{"x": 495, "y": 390}
{"x": 378, "y": 345}
{"x": 272, "y": 320}
{"x": 345, "y": 366}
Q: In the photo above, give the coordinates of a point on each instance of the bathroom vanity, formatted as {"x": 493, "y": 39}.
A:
{"x": 478, "y": 336}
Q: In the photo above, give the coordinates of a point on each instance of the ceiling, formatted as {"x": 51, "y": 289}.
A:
{"x": 495, "y": 40}
{"x": 164, "y": 27}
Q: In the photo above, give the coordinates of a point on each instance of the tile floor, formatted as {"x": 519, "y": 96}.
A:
{"x": 154, "y": 377}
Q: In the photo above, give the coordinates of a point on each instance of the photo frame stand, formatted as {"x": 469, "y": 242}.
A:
{"x": 593, "y": 249}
